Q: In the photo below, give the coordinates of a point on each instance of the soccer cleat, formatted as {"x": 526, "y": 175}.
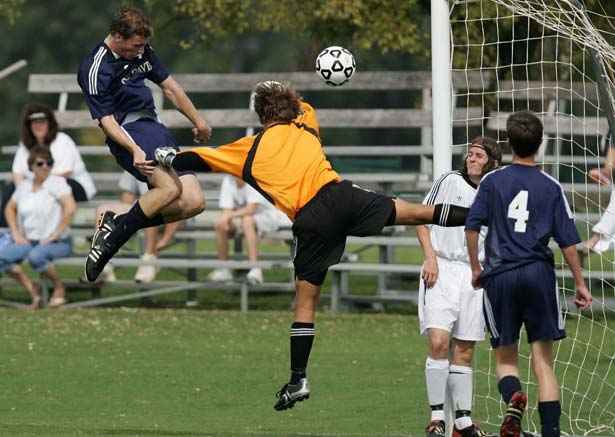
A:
{"x": 511, "y": 426}
{"x": 164, "y": 156}
{"x": 147, "y": 271}
{"x": 291, "y": 393}
{"x": 101, "y": 250}
{"x": 255, "y": 276}
{"x": 436, "y": 428}
{"x": 220, "y": 275}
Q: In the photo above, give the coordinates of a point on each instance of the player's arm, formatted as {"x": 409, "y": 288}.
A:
{"x": 429, "y": 272}
{"x": 249, "y": 209}
{"x": 114, "y": 131}
{"x": 477, "y": 217}
{"x": 176, "y": 94}
{"x": 603, "y": 175}
{"x": 472, "y": 243}
{"x": 583, "y": 297}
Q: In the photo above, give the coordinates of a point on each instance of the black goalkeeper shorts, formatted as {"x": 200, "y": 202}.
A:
{"x": 320, "y": 229}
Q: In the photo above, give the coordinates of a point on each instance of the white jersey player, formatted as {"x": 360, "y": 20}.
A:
{"x": 449, "y": 307}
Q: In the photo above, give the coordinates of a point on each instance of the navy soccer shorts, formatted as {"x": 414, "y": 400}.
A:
{"x": 149, "y": 135}
{"x": 527, "y": 295}
{"x": 339, "y": 209}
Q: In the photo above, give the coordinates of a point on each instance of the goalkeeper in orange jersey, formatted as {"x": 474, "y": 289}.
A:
{"x": 286, "y": 164}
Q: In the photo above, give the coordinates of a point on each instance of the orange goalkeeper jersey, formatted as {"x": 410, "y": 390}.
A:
{"x": 285, "y": 162}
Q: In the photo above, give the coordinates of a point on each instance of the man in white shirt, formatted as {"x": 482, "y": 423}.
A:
{"x": 245, "y": 208}
{"x": 450, "y": 310}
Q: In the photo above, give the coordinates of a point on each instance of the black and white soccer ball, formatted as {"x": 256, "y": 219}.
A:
{"x": 335, "y": 65}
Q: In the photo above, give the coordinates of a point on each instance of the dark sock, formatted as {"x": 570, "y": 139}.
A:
{"x": 301, "y": 339}
{"x": 190, "y": 161}
{"x": 508, "y": 386}
{"x": 128, "y": 224}
{"x": 449, "y": 215}
{"x": 550, "y": 413}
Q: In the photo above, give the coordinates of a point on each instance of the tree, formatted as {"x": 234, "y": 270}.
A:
{"x": 10, "y": 10}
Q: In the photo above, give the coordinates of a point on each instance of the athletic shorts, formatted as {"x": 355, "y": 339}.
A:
{"x": 528, "y": 296}
{"x": 320, "y": 229}
{"x": 149, "y": 135}
{"x": 452, "y": 304}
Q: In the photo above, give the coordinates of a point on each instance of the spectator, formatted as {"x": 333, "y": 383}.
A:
{"x": 39, "y": 214}
{"x": 245, "y": 208}
{"x": 40, "y": 128}
{"x": 132, "y": 189}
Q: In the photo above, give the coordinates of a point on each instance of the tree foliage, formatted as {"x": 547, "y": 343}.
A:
{"x": 10, "y": 10}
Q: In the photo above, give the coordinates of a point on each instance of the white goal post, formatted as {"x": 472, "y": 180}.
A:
{"x": 557, "y": 59}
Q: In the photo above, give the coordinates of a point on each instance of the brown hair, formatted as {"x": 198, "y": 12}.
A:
{"x": 275, "y": 101}
{"x": 37, "y": 152}
{"x": 524, "y": 132}
{"x": 130, "y": 21}
{"x": 27, "y": 137}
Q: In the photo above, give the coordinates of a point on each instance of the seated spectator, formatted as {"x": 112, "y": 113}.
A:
{"x": 40, "y": 128}
{"x": 39, "y": 214}
{"x": 132, "y": 189}
{"x": 244, "y": 208}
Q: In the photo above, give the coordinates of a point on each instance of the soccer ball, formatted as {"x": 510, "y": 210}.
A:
{"x": 335, "y": 65}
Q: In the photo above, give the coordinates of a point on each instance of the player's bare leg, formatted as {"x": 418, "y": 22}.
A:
{"x": 549, "y": 407}
{"x": 301, "y": 339}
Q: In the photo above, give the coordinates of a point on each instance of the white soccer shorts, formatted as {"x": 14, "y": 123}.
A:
{"x": 452, "y": 304}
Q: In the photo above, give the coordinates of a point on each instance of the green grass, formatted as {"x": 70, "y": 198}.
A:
{"x": 170, "y": 372}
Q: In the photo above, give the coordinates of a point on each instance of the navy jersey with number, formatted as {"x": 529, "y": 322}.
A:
{"x": 116, "y": 86}
{"x": 523, "y": 207}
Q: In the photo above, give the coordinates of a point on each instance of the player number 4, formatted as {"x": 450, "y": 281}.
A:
{"x": 517, "y": 210}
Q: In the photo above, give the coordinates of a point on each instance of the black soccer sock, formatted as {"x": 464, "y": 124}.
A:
{"x": 449, "y": 215}
{"x": 550, "y": 413}
{"x": 190, "y": 161}
{"x": 301, "y": 340}
{"x": 128, "y": 224}
{"x": 508, "y": 386}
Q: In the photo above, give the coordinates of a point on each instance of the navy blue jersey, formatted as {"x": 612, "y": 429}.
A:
{"x": 116, "y": 86}
{"x": 523, "y": 207}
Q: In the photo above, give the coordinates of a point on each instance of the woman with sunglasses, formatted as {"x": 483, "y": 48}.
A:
{"x": 39, "y": 127}
{"x": 39, "y": 214}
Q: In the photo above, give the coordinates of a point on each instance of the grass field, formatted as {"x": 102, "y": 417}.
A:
{"x": 170, "y": 372}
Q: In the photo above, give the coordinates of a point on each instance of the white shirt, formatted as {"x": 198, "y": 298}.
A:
{"x": 66, "y": 158}
{"x": 233, "y": 197}
{"x": 450, "y": 243}
{"x": 39, "y": 213}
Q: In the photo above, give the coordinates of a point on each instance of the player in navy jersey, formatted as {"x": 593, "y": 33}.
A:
{"x": 523, "y": 207}
{"x": 112, "y": 78}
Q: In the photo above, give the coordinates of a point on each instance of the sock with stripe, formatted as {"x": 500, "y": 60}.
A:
{"x": 436, "y": 375}
{"x": 460, "y": 386}
{"x": 301, "y": 340}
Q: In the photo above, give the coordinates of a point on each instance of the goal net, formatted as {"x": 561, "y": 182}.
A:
{"x": 556, "y": 58}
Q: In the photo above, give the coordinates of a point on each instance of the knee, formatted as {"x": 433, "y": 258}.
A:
{"x": 38, "y": 260}
{"x": 248, "y": 221}
{"x": 438, "y": 348}
{"x": 195, "y": 203}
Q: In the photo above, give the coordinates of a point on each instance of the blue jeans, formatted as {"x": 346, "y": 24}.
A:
{"x": 38, "y": 255}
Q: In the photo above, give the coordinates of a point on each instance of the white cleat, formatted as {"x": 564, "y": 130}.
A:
{"x": 164, "y": 156}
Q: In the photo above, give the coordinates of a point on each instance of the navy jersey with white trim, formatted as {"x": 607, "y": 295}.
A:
{"x": 523, "y": 207}
{"x": 116, "y": 86}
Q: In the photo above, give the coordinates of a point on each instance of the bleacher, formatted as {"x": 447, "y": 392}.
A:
{"x": 191, "y": 262}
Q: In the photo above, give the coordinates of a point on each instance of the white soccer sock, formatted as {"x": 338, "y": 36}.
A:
{"x": 460, "y": 386}
{"x": 436, "y": 374}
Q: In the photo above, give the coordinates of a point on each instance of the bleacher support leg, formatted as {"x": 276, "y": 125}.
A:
{"x": 336, "y": 279}
{"x": 244, "y": 296}
{"x": 192, "y": 275}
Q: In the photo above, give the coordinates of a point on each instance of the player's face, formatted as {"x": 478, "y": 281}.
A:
{"x": 130, "y": 48}
{"x": 476, "y": 160}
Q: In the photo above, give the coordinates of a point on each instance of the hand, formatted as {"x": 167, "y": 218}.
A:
{"x": 476, "y": 277}
{"x": 583, "y": 298}
{"x": 601, "y": 175}
{"x": 144, "y": 166}
{"x": 19, "y": 239}
{"x": 429, "y": 273}
{"x": 201, "y": 132}
{"x": 52, "y": 238}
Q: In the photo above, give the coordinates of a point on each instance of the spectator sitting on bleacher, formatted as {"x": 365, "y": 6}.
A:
{"x": 132, "y": 189}
{"x": 39, "y": 214}
{"x": 245, "y": 208}
{"x": 40, "y": 128}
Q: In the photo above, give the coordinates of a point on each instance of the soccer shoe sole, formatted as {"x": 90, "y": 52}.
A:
{"x": 290, "y": 404}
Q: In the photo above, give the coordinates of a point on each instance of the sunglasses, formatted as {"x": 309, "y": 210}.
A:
{"x": 48, "y": 163}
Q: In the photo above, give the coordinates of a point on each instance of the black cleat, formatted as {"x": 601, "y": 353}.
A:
{"x": 291, "y": 393}
{"x": 436, "y": 428}
{"x": 101, "y": 250}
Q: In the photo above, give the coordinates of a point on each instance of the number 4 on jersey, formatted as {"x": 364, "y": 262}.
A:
{"x": 517, "y": 210}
